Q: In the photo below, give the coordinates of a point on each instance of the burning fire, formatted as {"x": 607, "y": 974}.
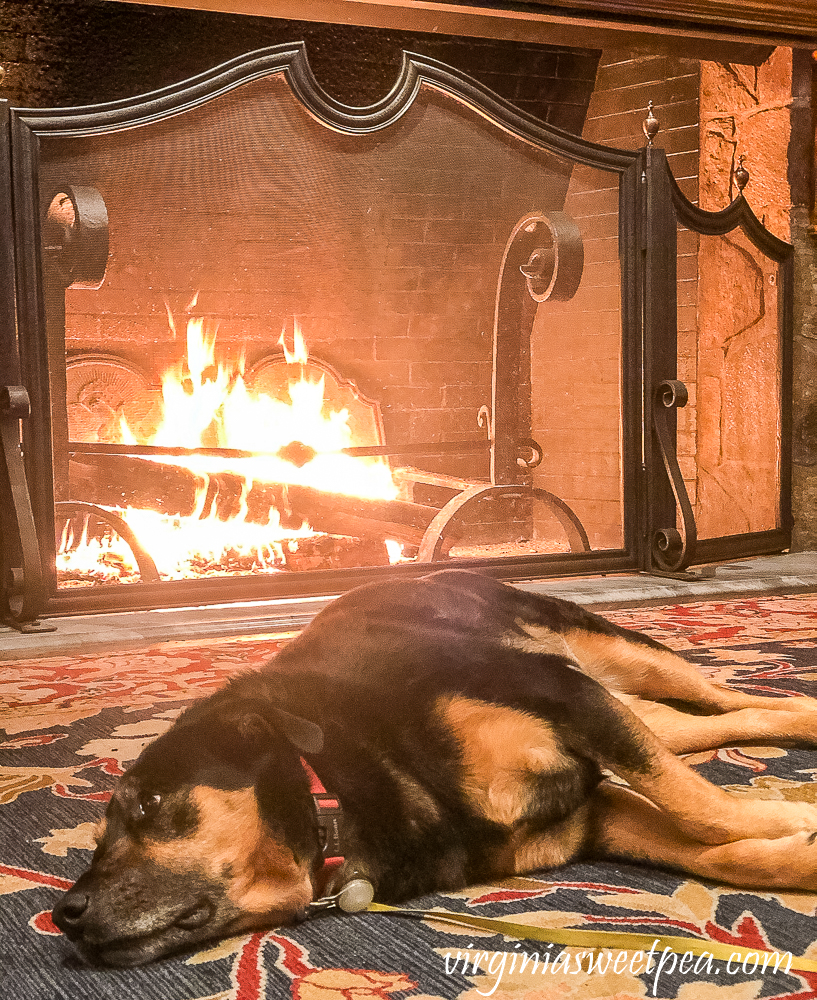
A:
{"x": 207, "y": 404}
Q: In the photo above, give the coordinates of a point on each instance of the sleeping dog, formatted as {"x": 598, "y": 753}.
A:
{"x": 462, "y": 728}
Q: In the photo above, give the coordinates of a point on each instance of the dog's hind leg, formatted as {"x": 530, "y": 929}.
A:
{"x": 591, "y": 723}
{"x": 628, "y": 663}
{"x": 699, "y": 811}
{"x": 628, "y": 826}
{"x": 681, "y": 732}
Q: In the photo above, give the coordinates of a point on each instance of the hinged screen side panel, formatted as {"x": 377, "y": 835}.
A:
{"x": 739, "y": 364}
{"x": 734, "y": 337}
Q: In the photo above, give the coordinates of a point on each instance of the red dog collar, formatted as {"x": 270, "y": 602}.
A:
{"x": 357, "y": 893}
{"x": 330, "y": 816}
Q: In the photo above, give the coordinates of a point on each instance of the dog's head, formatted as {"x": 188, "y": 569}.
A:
{"x": 212, "y": 831}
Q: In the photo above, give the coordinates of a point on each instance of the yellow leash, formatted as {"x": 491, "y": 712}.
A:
{"x": 598, "y": 940}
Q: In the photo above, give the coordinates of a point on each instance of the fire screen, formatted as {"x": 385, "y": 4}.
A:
{"x": 276, "y": 346}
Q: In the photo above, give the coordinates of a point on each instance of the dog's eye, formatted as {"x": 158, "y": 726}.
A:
{"x": 148, "y": 804}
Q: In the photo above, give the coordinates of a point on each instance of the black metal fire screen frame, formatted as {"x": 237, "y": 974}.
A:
{"x": 658, "y": 522}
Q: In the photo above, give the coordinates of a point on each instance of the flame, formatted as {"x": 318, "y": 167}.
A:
{"x": 298, "y": 354}
{"x": 207, "y": 403}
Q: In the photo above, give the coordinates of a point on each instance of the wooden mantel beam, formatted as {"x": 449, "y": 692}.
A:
{"x": 721, "y": 30}
{"x": 793, "y": 20}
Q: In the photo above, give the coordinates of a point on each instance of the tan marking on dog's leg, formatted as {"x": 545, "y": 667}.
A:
{"x": 501, "y": 747}
{"x": 628, "y": 826}
{"x": 637, "y": 669}
{"x": 536, "y": 639}
{"x": 684, "y": 733}
{"x": 660, "y": 675}
{"x": 707, "y": 813}
{"x": 623, "y": 666}
{"x": 232, "y": 843}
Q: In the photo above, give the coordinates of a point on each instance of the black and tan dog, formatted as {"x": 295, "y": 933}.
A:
{"x": 464, "y": 726}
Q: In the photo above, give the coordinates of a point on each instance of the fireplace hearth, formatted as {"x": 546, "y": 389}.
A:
{"x": 276, "y": 346}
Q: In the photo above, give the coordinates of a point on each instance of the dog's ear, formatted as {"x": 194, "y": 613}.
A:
{"x": 256, "y": 729}
{"x": 304, "y": 735}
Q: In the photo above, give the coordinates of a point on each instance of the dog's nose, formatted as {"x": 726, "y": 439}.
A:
{"x": 68, "y": 914}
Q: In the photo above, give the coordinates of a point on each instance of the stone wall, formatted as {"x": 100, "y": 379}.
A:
{"x": 745, "y": 112}
{"x": 804, "y": 238}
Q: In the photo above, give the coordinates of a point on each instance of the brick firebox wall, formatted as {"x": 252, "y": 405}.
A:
{"x": 66, "y": 53}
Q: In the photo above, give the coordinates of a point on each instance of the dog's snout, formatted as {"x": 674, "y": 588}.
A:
{"x": 69, "y": 913}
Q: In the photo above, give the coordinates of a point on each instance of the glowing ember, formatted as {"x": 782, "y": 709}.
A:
{"x": 207, "y": 404}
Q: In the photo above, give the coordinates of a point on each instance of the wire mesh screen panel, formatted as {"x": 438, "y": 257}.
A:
{"x": 577, "y": 364}
{"x": 299, "y": 350}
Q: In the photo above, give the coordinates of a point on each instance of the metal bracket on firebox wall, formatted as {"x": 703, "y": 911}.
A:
{"x": 672, "y": 550}
{"x": 75, "y": 236}
{"x": 22, "y": 585}
{"x": 543, "y": 261}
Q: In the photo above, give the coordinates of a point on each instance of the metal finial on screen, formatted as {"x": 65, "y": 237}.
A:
{"x": 741, "y": 174}
{"x": 651, "y": 125}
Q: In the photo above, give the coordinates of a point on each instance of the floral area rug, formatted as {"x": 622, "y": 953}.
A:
{"x": 72, "y": 724}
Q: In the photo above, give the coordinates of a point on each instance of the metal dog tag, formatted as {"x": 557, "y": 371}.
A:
{"x": 355, "y": 896}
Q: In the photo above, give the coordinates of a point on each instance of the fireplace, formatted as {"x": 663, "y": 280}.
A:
{"x": 273, "y": 346}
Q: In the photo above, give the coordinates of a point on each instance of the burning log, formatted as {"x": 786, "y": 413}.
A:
{"x": 127, "y": 481}
{"x": 116, "y": 481}
{"x": 338, "y": 514}
{"x": 328, "y": 552}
